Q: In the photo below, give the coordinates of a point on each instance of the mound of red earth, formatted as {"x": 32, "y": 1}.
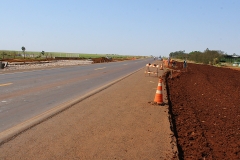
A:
{"x": 205, "y": 107}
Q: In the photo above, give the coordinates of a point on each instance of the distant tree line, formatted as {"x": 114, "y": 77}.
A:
{"x": 205, "y": 57}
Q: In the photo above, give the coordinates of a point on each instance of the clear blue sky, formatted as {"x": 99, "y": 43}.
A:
{"x": 126, "y": 27}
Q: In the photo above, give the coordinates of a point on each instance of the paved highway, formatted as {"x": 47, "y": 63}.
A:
{"x": 26, "y": 94}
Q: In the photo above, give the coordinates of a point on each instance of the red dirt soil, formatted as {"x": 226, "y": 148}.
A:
{"x": 205, "y": 106}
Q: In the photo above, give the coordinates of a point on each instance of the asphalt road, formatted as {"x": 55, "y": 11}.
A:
{"x": 25, "y": 94}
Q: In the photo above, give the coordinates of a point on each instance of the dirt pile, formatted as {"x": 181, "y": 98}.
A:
{"x": 205, "y": 103}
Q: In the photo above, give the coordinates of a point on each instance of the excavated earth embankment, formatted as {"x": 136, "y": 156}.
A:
{"x": 205, "y": 103}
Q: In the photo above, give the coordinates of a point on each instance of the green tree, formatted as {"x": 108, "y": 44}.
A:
{"x": 43, "y": 53}
{"x": 23, "y": 50}
{"x": 196, "y": 56}
{"x": 178, "y": 55}
{"x": 206, "y": 57}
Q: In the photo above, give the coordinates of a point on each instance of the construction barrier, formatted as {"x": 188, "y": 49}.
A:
{"x": 159, "y": 94}
{"x": 152, "y": 69}
{"x": 161, "y": 66}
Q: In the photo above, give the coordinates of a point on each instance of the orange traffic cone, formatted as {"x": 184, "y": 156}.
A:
{"x": 159, "y": 96}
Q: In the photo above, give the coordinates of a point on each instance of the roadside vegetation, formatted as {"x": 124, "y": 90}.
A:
{"x": 212, "y": 57}
{"x": 25, "y": 55}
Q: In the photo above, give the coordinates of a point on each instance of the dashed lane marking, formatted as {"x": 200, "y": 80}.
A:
{"x": 99, "y": 68}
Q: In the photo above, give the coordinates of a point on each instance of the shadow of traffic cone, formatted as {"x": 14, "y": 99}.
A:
{"x": 159, "y": 95}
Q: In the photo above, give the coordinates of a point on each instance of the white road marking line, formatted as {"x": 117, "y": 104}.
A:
{"x": 6, "y": 84}
{"x": 99, "y": 68}
{"x": 36, "y": 70}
